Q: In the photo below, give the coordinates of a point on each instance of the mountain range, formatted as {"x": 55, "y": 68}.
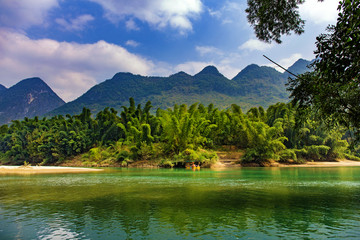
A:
{"x": 253, "y": 86}
{"x": 28, "y": 98}
{"x": 2, "y": 88}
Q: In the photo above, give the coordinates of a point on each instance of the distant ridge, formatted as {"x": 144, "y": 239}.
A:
{"x": 2, "y": 88}
{"x": 28, "y": 98}
{"x": 300, "y": 66}
{"x": 210, "y": 70}
{"x": 254, "y": 71}
{"x": 253, "y": 86}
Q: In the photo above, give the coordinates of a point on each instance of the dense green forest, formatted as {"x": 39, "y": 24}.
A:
{"x": 253, "y": 86}
{"x": 174, "y": 136}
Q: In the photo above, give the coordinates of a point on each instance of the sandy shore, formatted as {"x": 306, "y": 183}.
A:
{"x": 44, "y": 169}
{"x": 339, "y": 163}
{"x": 219, "y": 165}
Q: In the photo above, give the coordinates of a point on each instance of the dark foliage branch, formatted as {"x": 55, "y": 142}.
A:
{"x": 273, "y": 18}
{"x": 333, "y": 89}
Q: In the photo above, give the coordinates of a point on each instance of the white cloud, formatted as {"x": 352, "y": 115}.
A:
{"x": 254, "y": 44}
{"x": 319, "y": 12}
{"x": 23, "y": 14}
{"x": 192, "y": 67}
{"x": 158, "y": 13}
{"x": 131, "y": 25}
{"x": 286, "y": 62}
{"x": 69, "y": 68}
{"x": 230, "y": 12}
{"x": 132, "y": 43}
{"x": 214, "y": 13}
{"x": 76, "y": 24}
{"x": 206, "y": 50}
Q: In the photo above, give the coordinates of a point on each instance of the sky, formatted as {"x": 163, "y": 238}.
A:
{"x": 73, "y": 45}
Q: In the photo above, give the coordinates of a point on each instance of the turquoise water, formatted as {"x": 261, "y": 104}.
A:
{"x": 248, "y": 203}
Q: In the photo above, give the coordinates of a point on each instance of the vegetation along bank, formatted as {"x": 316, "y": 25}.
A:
{"x": 174, "y": 137}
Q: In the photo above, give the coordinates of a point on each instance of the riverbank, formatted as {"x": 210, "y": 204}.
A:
{"x": 219, "y": 165}
{"x": 44, "y": 169}
{"x": 338, "y": 163}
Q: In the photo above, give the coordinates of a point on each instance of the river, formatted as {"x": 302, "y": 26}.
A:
{"x": 246, "y": 203}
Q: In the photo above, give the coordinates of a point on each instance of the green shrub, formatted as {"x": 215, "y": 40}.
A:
{"x": 317, "y": 152}
{"x": 123, "y": 155}
{"x": 166, "y": 163}
{"x": 201, "y": 155}
{"x": 288, "y": 155}
{"x": 351, "y": 157}
{"x": 252, "y": 155}
{"x": 301, "y": 153}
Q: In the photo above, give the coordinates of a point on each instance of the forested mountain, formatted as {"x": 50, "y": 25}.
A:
{"x": 2, "y": 88}
{"x": 253, "y": 86}
{"x": 300, "y": 66}
{"x": 28, "y": 98}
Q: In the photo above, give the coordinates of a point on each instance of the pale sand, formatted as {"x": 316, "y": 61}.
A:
{"x": 338, "y": 163}
{"x": 44, "y": 169}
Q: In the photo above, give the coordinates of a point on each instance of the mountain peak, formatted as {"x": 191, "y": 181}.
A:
{"x": 254, "y": 71}
{"x": 210, "y": 70}
{"x": 300, "y": 66}
{"x": 2, "y": 88}
{"x": 180, "y": 74}
{"x": 122, "y": 74}
{"x": 28, "y": 98}
{"x": 31, "y": 83}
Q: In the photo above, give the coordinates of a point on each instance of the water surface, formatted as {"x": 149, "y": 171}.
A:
{"x": 247, "y": 203}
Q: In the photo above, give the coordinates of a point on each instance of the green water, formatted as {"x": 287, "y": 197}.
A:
{"x": 249, "y": 203}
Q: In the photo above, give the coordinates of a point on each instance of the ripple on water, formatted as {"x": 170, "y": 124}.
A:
{"x": 141, "y": 204}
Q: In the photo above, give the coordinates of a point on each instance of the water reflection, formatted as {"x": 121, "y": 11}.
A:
{"x": 165, "y": 204}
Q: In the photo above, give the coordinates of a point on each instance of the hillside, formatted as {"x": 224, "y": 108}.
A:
{"x": 2, "y": 88}
{"x": 300, "y": 66}
{"x": 28, "y": 98}
{"x": 253, "y": 86}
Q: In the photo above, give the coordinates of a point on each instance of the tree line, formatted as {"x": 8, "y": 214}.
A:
{"x": 175, "y": 136}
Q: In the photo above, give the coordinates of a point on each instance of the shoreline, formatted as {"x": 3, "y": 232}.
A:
{"x": 45, "y": 169}
{"x": 338, "y": 163}
{"x": 79, "y": 169}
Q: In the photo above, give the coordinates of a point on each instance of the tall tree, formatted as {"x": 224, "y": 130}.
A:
{"x": 273, "y": 18}
{"x": 333, "y": 89}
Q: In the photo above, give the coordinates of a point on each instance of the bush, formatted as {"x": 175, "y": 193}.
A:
{"x": 166, "y": 163}
{"x": 288, "y": 155}
{"x": 142, "y": 152}
{"x": 301, "y": 153}
{"x": 251, "y": 155}
{"x": 314, "y": 152}
{"x": 201, "y": 156}
{"x": 317, "y": 152}
{"x": 123, "y": 155}
{"x": 351, "y": 157}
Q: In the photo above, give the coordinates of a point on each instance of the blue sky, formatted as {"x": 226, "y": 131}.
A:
{"x": 73, "y": 45}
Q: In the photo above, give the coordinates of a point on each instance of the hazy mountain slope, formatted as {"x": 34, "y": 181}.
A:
{"x": 253, "y": 86}
{"x": 28, "y": 98}
{"x": 2, "y": 88}
{"x": 300, "y": 66}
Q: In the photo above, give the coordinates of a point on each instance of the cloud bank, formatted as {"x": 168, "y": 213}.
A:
{"x": 76, "y": 24}
{"x": 69, "y": 68}
{"x": 319, "y": 12}
{"x": 255, "y": 45}
{"x": 23, "y": 14}
{"x": 158, "y": 13}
